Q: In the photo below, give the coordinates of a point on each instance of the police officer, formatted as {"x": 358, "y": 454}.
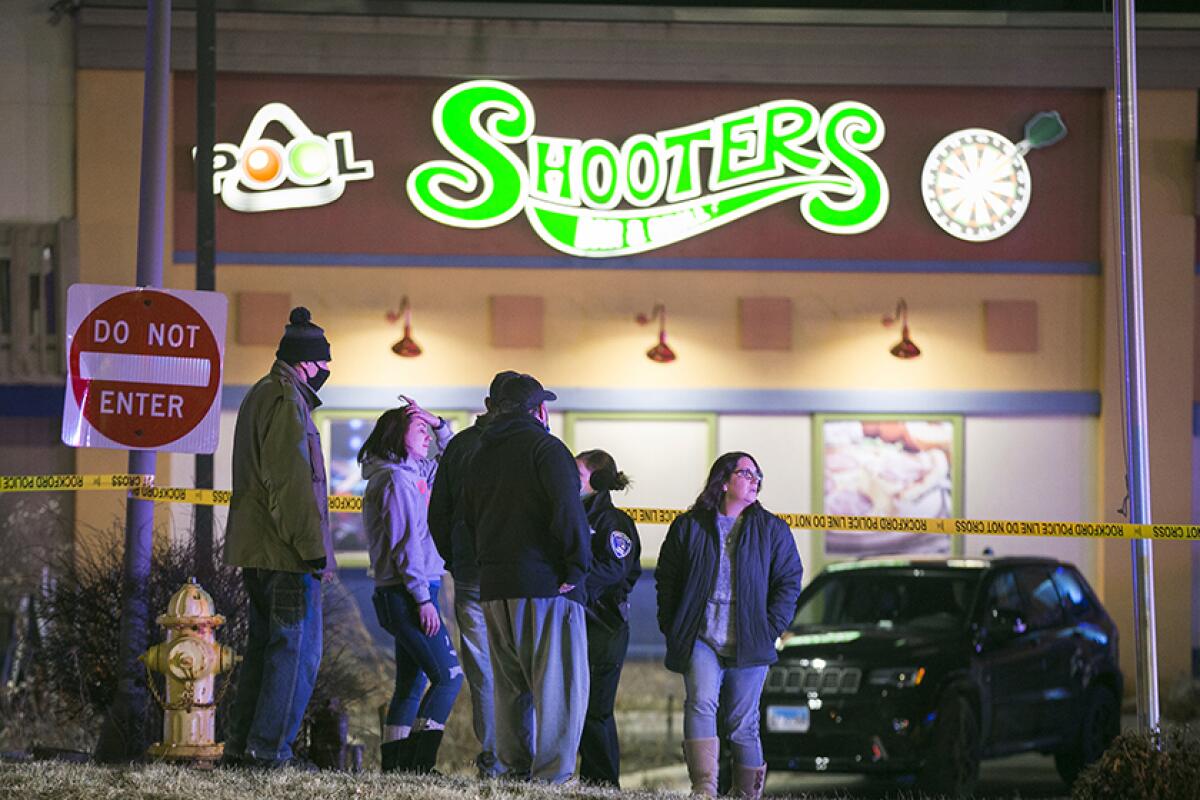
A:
{"x": 616, "y": 557}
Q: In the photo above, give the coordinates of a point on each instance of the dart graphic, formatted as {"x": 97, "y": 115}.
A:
{"x": 976, "y": 183}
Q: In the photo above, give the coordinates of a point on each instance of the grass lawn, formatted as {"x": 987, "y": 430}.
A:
{"x": 52, "y": 781}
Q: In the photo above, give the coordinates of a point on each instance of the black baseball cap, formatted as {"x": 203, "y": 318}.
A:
{"x": 522, "y": 393}
{"x": 499, "y": 381}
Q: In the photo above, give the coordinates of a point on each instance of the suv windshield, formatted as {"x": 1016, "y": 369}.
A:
{"x": 909, "y": 598}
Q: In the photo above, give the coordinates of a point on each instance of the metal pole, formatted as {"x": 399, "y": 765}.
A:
{"x": 123, "y": 735}
{"x": 1137, "y": 455}
{"x": 206, "y": 274}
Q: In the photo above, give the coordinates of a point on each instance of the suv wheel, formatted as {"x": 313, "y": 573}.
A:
{"x": 1098, "y": 726}
{"x": 952, "y": 766}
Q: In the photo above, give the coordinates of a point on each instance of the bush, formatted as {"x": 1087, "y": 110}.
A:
{"x": 1144, "y": 766}
{"x": 76, "y": 657}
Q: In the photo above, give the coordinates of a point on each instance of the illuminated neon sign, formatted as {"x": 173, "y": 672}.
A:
{"x": 262, "y": 174}
{"x": 976, "y": 183}
{"x": 595, "y": 198}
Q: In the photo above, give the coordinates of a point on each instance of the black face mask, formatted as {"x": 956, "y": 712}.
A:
{"x": 318, "y": 380}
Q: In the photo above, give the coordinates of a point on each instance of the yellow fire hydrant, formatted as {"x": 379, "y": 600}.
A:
{"x": 190, "y": 659}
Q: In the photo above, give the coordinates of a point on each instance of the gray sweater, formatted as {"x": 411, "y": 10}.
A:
{"x": 395, "y": 519}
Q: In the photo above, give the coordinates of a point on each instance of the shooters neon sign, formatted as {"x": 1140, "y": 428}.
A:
{"x": 596, "y": 199}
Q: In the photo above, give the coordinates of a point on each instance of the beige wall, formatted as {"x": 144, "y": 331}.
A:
{"x": 108, "y": 165}
{"x": 1168, "y": 140}
{"x": 839, "y": 342}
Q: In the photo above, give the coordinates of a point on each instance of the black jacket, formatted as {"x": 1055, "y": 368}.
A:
{"x": 521, "y": 502}
{"x": 616, "y": 562}
{"x": 767, "y": 583}
{"x": 454, "y": 541}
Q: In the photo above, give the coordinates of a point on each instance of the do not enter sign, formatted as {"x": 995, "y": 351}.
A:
{"x": 143, "y": 368}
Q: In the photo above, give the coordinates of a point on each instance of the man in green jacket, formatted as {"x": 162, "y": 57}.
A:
{"x": 278, "y": 533}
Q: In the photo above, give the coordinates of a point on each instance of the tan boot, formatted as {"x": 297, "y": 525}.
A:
{"x": 701, "y": 758}
{"x": 748, "y": 782}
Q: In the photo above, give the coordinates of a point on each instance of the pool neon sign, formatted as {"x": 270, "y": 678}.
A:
{"x": 597, "y": 199}
{"x": 262, "y": 174}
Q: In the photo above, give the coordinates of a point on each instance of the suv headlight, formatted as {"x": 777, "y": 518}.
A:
{"x": 897, "y": 677}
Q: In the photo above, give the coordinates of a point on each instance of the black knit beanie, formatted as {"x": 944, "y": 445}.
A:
{"x": 302, "y": 340}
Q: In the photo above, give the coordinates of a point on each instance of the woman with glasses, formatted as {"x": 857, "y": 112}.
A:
{"x": 408, "y": 573}
{"x": 727, "y": 579}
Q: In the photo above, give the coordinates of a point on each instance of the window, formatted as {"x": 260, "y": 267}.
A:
{"x": 1070, "y": 587}
{"x": 1045, "y": 609}
{"x": 1003, "y": 595}
{"x": 32, "y": 293}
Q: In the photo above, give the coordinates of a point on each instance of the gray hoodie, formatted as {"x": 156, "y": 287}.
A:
{"x": 395, "y": 518}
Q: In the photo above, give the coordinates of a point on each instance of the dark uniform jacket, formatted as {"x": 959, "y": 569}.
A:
{"x": 521, "y": 502}
{"x": 767, "y": 584}
{"x": 616, "y": 562}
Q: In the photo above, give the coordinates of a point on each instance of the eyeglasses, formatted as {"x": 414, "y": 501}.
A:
{"x": 749, "y": 474}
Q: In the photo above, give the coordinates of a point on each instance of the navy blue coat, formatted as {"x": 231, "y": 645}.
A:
{"x": 767, "y": 582}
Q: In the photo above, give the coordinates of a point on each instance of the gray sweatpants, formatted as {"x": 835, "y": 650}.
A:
{"x": 477, "y": 664}
{"x": 540, "y": 672}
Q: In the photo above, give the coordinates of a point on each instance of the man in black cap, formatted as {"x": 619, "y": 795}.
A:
{"x": 533, "y": 546}
{"x": 457, "y": 547}
{"x": 278, "y": 533}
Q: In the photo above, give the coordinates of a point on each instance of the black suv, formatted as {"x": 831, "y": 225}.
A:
{"x": 924, "y": 666}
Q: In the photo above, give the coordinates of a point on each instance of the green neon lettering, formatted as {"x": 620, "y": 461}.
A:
{"x": 600, "y": 172}
{"x": 738, "y": 156}
{"x": 681, "y": 145}
{"x": 645, "y": 173}
{"x": 572, "y": 191}
{"x": 787, "y": 125}
{"x": 487, "y": 170}
{"x": 847, "y": 130}
{"x": 550, "y": 173}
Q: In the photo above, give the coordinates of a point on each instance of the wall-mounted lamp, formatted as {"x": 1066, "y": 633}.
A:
{"x": 661, "y": 352}
{"x": 905, "y": 348}
{"x": 406, "y": 347}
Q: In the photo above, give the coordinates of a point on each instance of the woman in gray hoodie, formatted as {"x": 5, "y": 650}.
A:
{"x": 408, "y": 573}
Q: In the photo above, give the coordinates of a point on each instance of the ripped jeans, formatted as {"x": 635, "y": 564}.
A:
{"x": 419, "y": 659}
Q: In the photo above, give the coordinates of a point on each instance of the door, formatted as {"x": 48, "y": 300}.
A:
{"x": 1009, "y": 661}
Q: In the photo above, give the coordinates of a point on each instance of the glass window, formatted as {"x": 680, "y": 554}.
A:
{"x": 1045, "y": 609}
{"x": 1070, "y": 587}
{"x": 1003, "y": 595}
{"x": 915, "y": 598}
{"x": 6, "y": 308}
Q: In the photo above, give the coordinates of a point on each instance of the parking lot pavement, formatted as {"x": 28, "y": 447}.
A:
{"x": 1029, "y": 776}
{"x": 1024, "y": 776}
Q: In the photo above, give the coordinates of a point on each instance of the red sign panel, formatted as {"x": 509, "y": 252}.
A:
{"x": 144, "y": 370}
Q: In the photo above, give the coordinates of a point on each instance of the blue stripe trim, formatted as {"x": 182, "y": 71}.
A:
{"x": 1195, "y": 419}
{"x": 730, "y": 401}
{"x": 31, "y": 401}
{"x": 647, "y": 263}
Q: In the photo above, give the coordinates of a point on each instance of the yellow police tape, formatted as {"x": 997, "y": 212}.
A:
{"x": 142, "y": 486}
{"x": 73, "y": 483}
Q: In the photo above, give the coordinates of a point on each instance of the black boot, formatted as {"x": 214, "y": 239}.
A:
{"x": 425, "y": 750}
{"x": 397, "y": 755}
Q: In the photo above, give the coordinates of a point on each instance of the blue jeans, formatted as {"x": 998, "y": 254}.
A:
{"x": 418, "y": 658}
{"x": 283, "y": 653}
{"x": 711, "y": 684}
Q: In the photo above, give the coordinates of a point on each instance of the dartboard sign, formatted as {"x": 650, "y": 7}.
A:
{"x": 144, "y": 368}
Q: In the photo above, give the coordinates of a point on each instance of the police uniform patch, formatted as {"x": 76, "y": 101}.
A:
{"x": 620, "y": 543}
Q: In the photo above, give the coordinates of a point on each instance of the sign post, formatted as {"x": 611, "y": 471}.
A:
{"x": 143, "y": 368}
